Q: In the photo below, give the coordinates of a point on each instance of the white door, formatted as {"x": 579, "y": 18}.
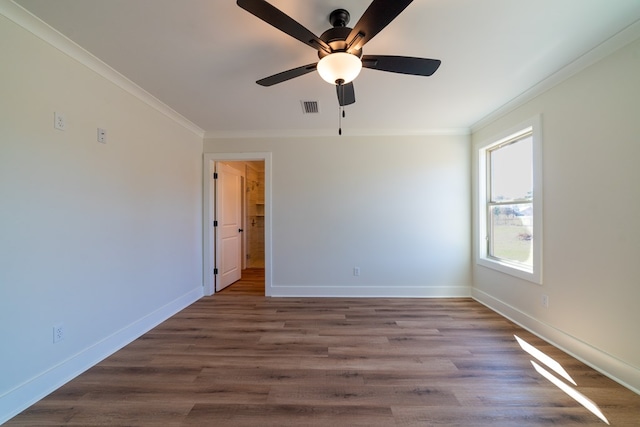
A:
{"x": 228, "y": 239}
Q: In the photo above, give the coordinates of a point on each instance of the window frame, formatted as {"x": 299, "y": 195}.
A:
{"x": 534, "y": 273}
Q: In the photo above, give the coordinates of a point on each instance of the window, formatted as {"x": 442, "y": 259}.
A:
{"x": 509, "y": 203}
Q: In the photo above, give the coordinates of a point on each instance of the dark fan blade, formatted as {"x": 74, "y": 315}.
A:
{"x": 377, "y": 16}
{"x": 287, "y": 75}
{"x": 401, "y": 64}
{"x": 275, "y": 17}
{"x": 346, "y": 94}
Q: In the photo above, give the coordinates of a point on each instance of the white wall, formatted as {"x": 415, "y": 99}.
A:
{"x": 397, "y": 207}
{"x": 105, "y": 239}
{"x": 591, "y": 273}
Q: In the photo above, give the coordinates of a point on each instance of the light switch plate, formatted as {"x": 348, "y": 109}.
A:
{"x": 102, "y": 136}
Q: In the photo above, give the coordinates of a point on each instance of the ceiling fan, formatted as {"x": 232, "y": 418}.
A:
{"x": 340, "y": 48}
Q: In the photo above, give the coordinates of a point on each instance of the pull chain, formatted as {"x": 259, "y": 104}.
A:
{"x": 340, "y": 84}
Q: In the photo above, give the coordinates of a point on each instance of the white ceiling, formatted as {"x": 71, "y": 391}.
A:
{"x": 202, "y": 58}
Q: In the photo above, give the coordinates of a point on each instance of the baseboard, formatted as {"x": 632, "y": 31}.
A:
{"x": 371, "y": 291}
{"x": 608, "y": 365}
{"x": 28, "y": 393}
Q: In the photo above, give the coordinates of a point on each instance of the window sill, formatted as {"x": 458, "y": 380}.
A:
{"x": 529, "y": 275}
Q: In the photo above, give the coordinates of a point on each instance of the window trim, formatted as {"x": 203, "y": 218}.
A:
{"x": 534, "y": 274}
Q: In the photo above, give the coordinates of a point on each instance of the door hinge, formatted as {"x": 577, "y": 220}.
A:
{"x": 215, "y": 175}
{"x": 215, "y": 223}
{"x": 215, "y": 271}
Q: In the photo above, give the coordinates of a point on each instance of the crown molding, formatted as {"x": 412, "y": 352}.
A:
{"x": 42, "y": 30}
{"x": 604, "y": 49}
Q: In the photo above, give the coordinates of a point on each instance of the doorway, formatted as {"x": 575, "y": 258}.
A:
{"x": 255, "y": 237}
{"x": 251, "y": 199}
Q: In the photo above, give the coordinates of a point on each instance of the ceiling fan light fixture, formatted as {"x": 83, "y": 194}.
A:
{"x": 339, "y": 66}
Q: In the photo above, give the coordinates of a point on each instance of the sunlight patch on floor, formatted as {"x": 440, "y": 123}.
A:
{"x": 546, "y": 360}
{"x": 558, "y": 369}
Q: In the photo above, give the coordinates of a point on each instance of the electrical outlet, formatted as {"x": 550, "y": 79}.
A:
{"x": 102, "y": 136}
{"x": 356, "y": 271}
{"x": 58, "y": 121}
{"x": 58, "y": 333}
{"x": 545, "y": 301}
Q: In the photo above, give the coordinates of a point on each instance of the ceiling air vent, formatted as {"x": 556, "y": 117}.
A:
{"x": 310, "y": 107}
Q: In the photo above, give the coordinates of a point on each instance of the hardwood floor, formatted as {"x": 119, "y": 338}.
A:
{"x": 240, "y": 359}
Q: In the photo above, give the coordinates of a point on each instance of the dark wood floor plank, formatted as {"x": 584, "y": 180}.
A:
{"x": 353, "y": 395}
{"x": 241, "y": 359}
{"x": 290, "y": 416}
{"x": 281, "y": 376}
{"x": 486, "y": 416}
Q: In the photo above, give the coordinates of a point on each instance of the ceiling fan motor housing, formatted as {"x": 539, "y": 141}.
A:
{"x": 335, "y": 37}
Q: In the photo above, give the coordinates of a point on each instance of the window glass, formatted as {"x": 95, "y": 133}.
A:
{"x": 510, "y": 211}
{"x": 512, "y": 171}
{"x": 512, "y": 233}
